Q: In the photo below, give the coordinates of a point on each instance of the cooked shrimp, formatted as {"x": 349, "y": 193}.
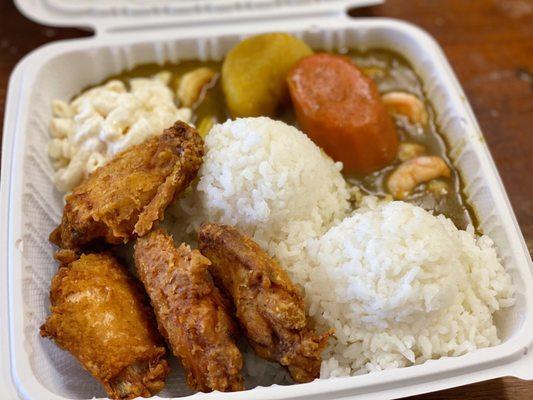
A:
{"x": 406, "y": 104}
{"x": 193, "y": 84}
{"x": 412, "y": 173}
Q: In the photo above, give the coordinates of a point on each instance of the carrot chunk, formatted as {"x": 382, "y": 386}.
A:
{"x": 341, "y": 111}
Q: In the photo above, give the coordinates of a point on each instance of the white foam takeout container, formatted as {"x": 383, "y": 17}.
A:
{"x": 33, "y": 368}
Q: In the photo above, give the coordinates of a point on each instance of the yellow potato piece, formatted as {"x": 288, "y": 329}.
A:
{"x": 410, "y": 150}
{"x": 205, "y": 125}
{"x": 254, "y": 72}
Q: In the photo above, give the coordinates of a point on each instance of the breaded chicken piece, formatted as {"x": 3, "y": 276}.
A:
{"x": 127, "y": 195}
{"x": 269, "y": 306}
{"x": 101, "y": 315}
{"x": 190, "y": 312}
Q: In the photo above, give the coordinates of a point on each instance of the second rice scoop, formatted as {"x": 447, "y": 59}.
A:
{"x": 401, "y": 286}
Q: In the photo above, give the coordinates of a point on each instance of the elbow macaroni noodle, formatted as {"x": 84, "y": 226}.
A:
{"x": 87, "y": 132}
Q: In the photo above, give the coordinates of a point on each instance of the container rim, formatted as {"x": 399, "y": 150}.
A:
{"x": 479, "y": 365}
{"x": 101, "y": 16}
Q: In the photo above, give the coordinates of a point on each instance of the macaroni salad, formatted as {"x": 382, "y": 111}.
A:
{"x": 102, "y": 121}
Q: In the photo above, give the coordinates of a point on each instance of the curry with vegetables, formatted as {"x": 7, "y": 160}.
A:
{"x": 400, "y": 154}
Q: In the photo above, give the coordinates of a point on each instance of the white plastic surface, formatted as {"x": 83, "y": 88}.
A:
{"x": 108, "y": 15}
{"x": 30, "y": 207}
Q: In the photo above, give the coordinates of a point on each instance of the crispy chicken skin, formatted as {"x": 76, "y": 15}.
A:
{"x": 127, "y": 195}
{"x": 269, "y": 307}
{"x": 102, "y": 317}
{"x": 190, "y": 311}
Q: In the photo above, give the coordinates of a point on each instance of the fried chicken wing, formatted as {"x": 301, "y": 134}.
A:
{"x": 127, "y": 195}
{"x": 268, "y": 305}
{"x": 102, "y": 317}
{"x": 190, "y": 312}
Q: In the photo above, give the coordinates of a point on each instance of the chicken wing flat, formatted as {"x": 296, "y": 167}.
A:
{"x": 127, "y": 195}
{"x": 102, "y": 317}
{"x": 269, "y": 307}
{"x": 190, "y": 312}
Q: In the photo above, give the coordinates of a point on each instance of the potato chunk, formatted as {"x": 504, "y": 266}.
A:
{"x": 254, "y": 72}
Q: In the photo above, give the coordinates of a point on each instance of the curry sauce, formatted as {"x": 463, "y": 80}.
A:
{"x": 391, "y": 72}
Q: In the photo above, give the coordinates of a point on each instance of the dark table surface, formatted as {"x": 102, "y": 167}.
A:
{"x": 490, "y": 47}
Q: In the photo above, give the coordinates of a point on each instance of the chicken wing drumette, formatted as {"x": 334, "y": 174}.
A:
{"x": 127, "y": 195}
{"x": 268, "y": 305}
{"x": 102, "y": 317}
{"x": 190, "y": 312}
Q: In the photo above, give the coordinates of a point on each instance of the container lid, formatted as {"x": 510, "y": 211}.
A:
{"x": 121, "y": 15}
